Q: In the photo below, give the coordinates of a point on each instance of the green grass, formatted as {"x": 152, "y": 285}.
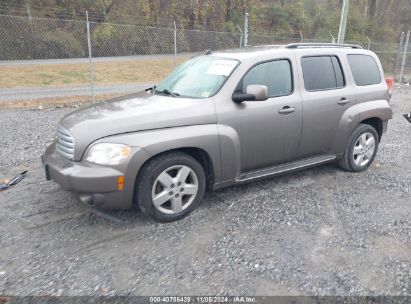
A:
{"x": 59, "y": 75}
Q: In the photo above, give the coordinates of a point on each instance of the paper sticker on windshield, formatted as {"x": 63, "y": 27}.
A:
{"x": 221, "y": 67}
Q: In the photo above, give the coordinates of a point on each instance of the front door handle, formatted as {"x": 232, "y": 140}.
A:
{"x": 286, "y": 110}
{"x": 343, "y": 101}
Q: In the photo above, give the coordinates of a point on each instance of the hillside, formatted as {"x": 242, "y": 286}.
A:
{"x": 380, "y": 20}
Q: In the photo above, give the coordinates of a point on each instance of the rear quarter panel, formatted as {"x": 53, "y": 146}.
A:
{"x": 370, "y": 101}
{"x": 354, "y": 116}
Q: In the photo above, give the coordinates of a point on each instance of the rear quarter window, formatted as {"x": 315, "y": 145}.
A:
{"x": 364, "y": 69}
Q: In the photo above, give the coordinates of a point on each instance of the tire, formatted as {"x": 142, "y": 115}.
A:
{"x": 162, "y": 191}
{"x": 358, "y": 157}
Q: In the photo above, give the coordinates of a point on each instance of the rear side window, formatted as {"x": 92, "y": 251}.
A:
{"x": 322, "y": 73}
{"x": 276, "y": 75}
{"x": 364, "y": 70}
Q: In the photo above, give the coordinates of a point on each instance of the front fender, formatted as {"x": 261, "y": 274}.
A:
{"x": 353, "y": 116}
{"x": 149, "y": 143}
{"x": 230, "y": 154}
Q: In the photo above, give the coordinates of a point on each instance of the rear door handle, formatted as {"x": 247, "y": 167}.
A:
{"x": 343, "y": 101}
{"x": 286, "y": 110}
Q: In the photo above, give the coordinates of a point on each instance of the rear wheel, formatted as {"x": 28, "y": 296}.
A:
{"x": 170, "y": 186}
{"x": 362, "y": 149}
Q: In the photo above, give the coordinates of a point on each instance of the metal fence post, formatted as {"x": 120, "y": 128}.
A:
{"x": 404, "y": 57}
{"x": 369, "y": 42}
{"x": 332, "y": 38}
{"x": 90, "y": 59}
{"x": 241, "y": 35}
{"x": 28, "y": 10}
{"x": 175, "y": 43}
{"x": 301, "y": 37}
{"x": 246, "y": 30}
{"x": 397, "y": 60}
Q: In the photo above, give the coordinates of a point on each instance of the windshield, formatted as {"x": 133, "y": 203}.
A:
{"x": 199, "y": 77}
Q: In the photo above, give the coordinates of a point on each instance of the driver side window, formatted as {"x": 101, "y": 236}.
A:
{"x": 276, "y": 75}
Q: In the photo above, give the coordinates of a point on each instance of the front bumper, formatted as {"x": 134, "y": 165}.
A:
{"x": 95, "y": 185}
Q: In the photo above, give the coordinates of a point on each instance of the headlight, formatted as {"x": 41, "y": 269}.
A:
{"x": 107, "y": 154}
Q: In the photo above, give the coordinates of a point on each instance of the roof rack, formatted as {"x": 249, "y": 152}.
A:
{"x": 313, "y": 45}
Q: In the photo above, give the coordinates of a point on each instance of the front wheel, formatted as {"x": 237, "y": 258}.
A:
{"x": 170, "y": 186}
{"x": 361, "y": 150}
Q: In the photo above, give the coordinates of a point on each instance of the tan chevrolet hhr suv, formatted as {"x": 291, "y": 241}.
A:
{"x": 222, "y": 119}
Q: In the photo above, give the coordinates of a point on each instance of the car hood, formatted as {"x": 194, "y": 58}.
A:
{"x": 136, "y": 112}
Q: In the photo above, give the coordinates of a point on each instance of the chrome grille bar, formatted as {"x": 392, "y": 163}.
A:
{"x": 65, "y": 143}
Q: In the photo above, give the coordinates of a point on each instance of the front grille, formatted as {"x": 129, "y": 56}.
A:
{"x": 65, "y": 143}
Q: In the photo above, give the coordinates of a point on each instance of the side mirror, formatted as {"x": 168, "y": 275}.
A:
{"x": 254, "y": 92}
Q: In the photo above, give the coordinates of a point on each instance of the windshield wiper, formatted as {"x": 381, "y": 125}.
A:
{"x": 152, "y": 88}
{"x": 167, "y": 92}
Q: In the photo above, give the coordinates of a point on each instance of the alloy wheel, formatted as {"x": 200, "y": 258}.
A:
{"x": 364, "y": 149}
{"x": 175, "y": 189}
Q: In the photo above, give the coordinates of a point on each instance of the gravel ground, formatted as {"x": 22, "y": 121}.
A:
{"x": 321, "y": 231}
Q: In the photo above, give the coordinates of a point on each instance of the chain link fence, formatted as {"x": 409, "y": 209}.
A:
{"x": 402, "y": 68}
{"x": 25, "y": 38}
{"x": 387, "y": 52}
{"x": 49, "y": 57}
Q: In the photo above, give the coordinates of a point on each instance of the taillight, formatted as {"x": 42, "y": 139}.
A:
{"x": 390, "y": 84}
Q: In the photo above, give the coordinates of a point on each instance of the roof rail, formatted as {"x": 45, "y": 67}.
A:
{"x": 313, "y": 45}
{"x": 268, "y": 46}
